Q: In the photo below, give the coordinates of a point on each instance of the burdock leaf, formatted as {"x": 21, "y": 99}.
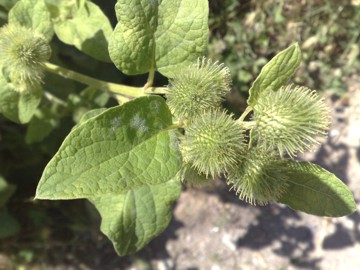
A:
{"x": 164, "y": 35}
{"x": 124, "y": 148}
{"x": 314, "y": 190}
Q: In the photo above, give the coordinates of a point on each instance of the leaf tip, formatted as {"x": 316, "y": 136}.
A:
{"x": 39, "y": 193}
{"x": 297, "y": 48}
{"x": 37, "y": 196}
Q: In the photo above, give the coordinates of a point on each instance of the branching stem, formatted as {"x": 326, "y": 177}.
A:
{"x": 244, "y": 114}
{"x": 248, "y": 125}
{"x": 116, "y": 89}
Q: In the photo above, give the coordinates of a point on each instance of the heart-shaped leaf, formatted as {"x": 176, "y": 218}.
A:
{"x": 163, "y": 35}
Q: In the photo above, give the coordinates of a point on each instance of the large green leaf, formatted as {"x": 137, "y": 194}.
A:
{"x": 314, "y": 190}
{"x": 163, "y": 35}
{"x": 123, "y": 148}
{"x": 90, "y": 114}
{"x": 276, "y": 73}
{"x": 18, "y": 106}
{"x": 86, "y": 27}
{"x": 133, "y": 218}
{"x": 33, "y": 14}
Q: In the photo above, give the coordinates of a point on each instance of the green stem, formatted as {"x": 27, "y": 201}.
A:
{"x": 117, "y": 89}
{"x": 53, "y": 98}
{"x": 155, "y": 90}
{"x": 176, "y": 125}
{"x": 122, "y": 99}
{"x": 150, "y": 80}
{"x": 248, "y": 125}
{"x": 245, "y": 113}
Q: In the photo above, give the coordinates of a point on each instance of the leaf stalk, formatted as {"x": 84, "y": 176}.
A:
{"x": 113, "y": 88}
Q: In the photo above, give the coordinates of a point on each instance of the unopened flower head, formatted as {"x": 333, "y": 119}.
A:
{"x": 192, "y": 177}
{"x": 259, "y": 177}
{"x": 198, "y": 88}
{"x": 290, "y": 119}
{"x": 212, "y": 143}
{"x": 23, "y": 53}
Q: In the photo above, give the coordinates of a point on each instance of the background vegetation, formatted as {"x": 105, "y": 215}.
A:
{"x": 243, "y": 34}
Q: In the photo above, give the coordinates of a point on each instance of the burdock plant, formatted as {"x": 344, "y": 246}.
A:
{"x": 290, "y": 119}
{"x": 198, "y": 88}
{"x": 23, "y": 53}
{"x": 130, "y": 160}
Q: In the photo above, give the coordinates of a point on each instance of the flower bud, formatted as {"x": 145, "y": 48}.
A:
{"x": 198, "y": 88}
{"x": 191, "y": 177}
{"x": 259, "y": 177}
{"x": 212, "y": 143}
{"x": 290, "y": 119}
{"x": 23, "y": 53}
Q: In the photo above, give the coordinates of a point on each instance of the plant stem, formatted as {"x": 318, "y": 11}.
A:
{"x": 122, "y": 99}
{"x": 150, "y": 80}
{"x": 111, "y": 87}
{"x": 176, "y": 125}
{"x": 245, "y": 113}
{"x": 53, "y": 98}
{"x": 117, "y": 89}
{"x": 155, "y": 90}
{"x": 248, "y": 125}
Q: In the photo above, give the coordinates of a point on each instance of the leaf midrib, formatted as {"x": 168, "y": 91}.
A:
{"x": 314, "y": 190}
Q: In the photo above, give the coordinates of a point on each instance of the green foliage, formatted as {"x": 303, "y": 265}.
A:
{"x": 316, "y": 191}
{"x": 275, "y": 73}
{"x": 32, "y": 14}
{"x": 19, "y": 106}
{"x": 134, "y": 217}
{"x": 6, "y": 191}
{"x": 7, "y": 4}
{"x": 246, "y": 34}
{"x": 40, "y": 125}
{"x": 91, "y": 37}
{"x": 129, "y": 160}
{"x": 105, "y": 154}
{"x": 158, "y": 35}
{"x": 9, "y": 226}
